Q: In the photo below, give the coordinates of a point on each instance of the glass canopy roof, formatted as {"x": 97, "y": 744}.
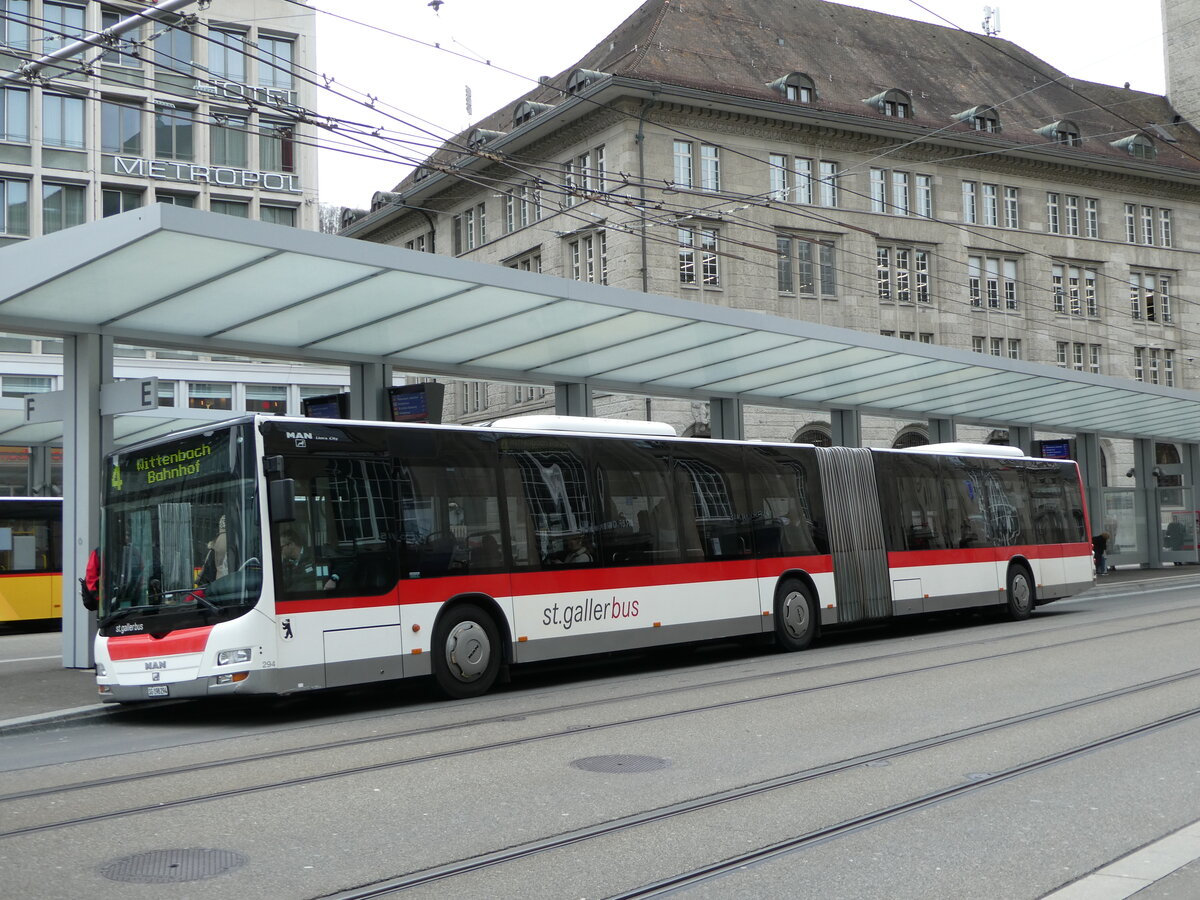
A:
{"x": 173, "y": 277}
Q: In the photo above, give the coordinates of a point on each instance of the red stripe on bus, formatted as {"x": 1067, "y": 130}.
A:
{"x": 137, "y": 646}
{"x": 559, "y": 581}
{"x": 908, "y": 558}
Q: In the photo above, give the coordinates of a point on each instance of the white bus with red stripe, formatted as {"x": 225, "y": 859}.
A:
{"x": 273, "y": 555}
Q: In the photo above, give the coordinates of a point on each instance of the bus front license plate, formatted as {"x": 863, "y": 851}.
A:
{"x": 158, "y": 690}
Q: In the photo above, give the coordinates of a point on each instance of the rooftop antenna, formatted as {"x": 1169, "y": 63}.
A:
{"x": 991, "y": 20}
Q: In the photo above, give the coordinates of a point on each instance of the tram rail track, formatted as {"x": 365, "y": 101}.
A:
{"x": 525, "y": 851}
{"x": 573, "y": 731}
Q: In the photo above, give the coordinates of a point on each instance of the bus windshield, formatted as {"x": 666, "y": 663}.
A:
{"x": 180, "y": 534}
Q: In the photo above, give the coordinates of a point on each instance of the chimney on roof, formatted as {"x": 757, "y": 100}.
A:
{"x": 1181, "y": 50}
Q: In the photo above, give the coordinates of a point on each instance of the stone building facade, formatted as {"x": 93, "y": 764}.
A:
{"x": 825, "y": 163}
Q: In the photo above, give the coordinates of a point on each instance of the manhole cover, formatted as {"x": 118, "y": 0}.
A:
{"x": 171, "y": 866}
{"x": 621, "y": 762}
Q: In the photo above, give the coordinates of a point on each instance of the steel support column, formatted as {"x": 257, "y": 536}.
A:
{"x": 368, "y": 391}
{"x": 726, "y": 418}
{"x": 941, "y": 431}
{"x": 1087, "y": 454}
{"x": 1146, "y": 500}
{"x": 1021, "y": 436}
{"x": 846, "y": 425}
{"x": 87, "y": 436}
{"x": 573, "y": 398}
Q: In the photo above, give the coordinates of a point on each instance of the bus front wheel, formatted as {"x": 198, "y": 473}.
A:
{"x": 795, "y": 615}
{"x": 466, "y": 652}
{"x": 1020, "y": 592}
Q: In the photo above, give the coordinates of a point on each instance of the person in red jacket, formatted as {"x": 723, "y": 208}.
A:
{"x": 89, "y": 584}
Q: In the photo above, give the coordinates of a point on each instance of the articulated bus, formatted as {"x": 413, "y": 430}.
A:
{"x": 30, "y": 558}
{"x": 275, "y": 555}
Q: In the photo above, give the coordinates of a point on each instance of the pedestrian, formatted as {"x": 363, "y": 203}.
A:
{"x": 1099, "y": 551}
{"x": 89, "y": 584}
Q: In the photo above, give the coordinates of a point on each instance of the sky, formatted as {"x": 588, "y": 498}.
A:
{"x": 416, "y": 80}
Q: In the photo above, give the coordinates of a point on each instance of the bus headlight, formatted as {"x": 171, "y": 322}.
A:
{"x": 231, "y": 657}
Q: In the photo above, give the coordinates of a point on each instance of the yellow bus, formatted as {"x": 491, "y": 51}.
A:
{"x": 30, "y": 558}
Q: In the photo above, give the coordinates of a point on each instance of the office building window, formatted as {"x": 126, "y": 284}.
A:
{"x": 267, "y": 398}
{"x": 275, "y": 62}
{"x": 62, "y": 24}
{"x": 902, "y": 274}
{"x": 174, "y": 134}
{"x": 1091, "y": 217}
{"x": 1148, "y": 225}
{"x": 172, "y": 47}
{"x": 227, "y": 141}
{"x": 277, "y": 147}
{"x": 892, "y": 192}
{"x": 1053, "y": 213}
{"x": 1154, "y": 365}
{"x": 62, "y": 121}
{"x": 14, "y": 27}
{"x": 1074, "y": 289}
{"x": 63, "y": 205}
{"x": 207, "y": 395}
{"x": 992, "y": 282}
{"x": 188, "y": 200}
{"x": 121, "y": 128}
{"x": 227, "y": 55}
{"x": 119, "y": 200}
{"x": 806, "y": 266}
{"x": 970, "y": 214}
{"x": 698, "y": 260}
{"x": 588, "y": 255}
{"x": 14, "y": 207}
{"x": 1078, "y": 356}
{"x": 239, "y": 208}
{"x": 126, "y": 47}
{"x": 1150, "y": 295}
{"x": 708, "y": 178}
{"x": 14, "y": 115}
{"x": 278, "y": 215}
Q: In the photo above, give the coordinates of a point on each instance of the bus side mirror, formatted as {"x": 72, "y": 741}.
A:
{"x": 281, "y": 500}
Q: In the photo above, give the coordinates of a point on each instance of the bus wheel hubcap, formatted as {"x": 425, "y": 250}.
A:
{"x": 795, "y": 614}
{"x": 468, "y": 650}
{"x": 1020, "y": 590}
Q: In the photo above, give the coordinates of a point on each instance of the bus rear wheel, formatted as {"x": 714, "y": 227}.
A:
{"x": 795, "y": 615}
{"x": 466, "y": 652}
{"x": 1021, "y": 592}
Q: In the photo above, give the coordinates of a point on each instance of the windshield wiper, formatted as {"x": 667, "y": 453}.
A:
{"x": 194, "y": 593}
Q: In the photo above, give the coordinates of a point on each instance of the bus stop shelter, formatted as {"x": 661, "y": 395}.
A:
{"x": 170, "y": 277}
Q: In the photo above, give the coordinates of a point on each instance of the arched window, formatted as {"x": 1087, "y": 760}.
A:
{"x": 894, "y": 103}
{"x": 526, "y": 110}
{"x": 797, "y": 86}
{"x": 1064, "y": 132}
{"x": 1138, "y": 146}
{"x": 981, "y": 118}
{"x": 382, "y": 198}
{"x": 816, "y": 433}
{"x": 913, "y": 436}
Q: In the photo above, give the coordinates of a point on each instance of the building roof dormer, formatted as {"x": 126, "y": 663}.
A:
{"x": 581, "y": 78}
{"x": 1064, "y": 132}
{"x": 1139, "y": 146}
{"x": 526, "y": 110}
{"x": 797, "y": 87}
{"x": 892, "y": 102}
{"x": 981, "y": 118}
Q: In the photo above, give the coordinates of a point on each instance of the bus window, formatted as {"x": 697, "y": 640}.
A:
{"x": 914, "y": 510}
{"x": 641, "y": 525}
{"x": 785, "y": 501}
{"x": 965, "y": 486}
{"x": 712, "y": 477}
{"x": 1006, "y": 504}
{"x": 1049, "y": 495}
{"x": 549, "y": 502}
{"x": 343, "y": 538}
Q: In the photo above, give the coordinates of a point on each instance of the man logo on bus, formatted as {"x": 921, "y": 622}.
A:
{"x": 287, "y": 629}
